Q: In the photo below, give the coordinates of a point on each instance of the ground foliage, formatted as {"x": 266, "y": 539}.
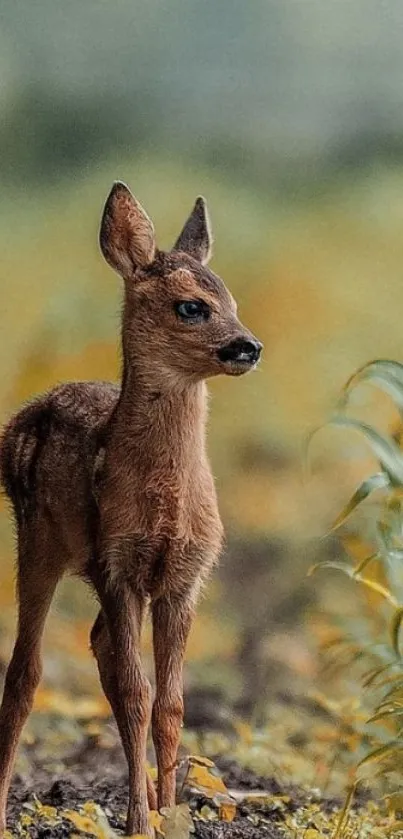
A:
{"x": 71, "y": 780}
{"x": 370, "y": 644}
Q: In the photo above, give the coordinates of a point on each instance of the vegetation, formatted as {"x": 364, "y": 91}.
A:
{"x": 371, "y": 643}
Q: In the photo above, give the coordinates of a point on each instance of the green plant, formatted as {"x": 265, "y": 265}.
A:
{"x": 375, "y": 638}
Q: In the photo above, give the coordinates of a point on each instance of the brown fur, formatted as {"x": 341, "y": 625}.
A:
{"x": 113, "y": 484}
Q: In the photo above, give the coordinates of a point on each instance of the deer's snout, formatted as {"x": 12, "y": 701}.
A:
{"x": 242, "y": 351}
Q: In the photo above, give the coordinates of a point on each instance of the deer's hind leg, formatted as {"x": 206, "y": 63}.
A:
{"x": 102, "y": 648}
{"x": 124, "y": 609}
{"x": 38, "y": 575}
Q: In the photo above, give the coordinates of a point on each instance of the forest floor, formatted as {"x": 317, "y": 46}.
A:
{"x": 71, "y": 781}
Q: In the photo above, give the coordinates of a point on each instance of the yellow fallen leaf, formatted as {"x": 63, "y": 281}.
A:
{"x": 178, "y": 822}
{"x": 155, "y": 819}
{"x": 208, "y": 814}
{"x": 227, "y": 811}
{"x": 26, "y": 820}
{"x": 83, "y": 823}
{"x": 200, "y": 760}
{"x": 200, "y": 776}
{"x": 45, "y": 811}
{"x": 91, "y": 809}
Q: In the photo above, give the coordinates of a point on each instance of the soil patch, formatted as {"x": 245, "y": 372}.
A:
{"x": 95, "y": 773}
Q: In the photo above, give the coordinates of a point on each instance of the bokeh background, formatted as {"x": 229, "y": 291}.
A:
{"x": 288, "y": 117}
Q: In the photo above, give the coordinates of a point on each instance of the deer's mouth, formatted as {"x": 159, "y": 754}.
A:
{"x": 240, "y": 355}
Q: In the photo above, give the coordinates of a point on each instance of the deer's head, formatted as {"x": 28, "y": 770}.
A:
{"x": 180, "y": 320}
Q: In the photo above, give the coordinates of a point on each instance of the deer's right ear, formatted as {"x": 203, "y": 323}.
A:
{"x": 126, "y": 237}
{"x": 196, "y": 238}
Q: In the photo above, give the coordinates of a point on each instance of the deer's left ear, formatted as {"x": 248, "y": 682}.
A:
{"x": 126, "y": 236}
{"x": 196, "y": 238}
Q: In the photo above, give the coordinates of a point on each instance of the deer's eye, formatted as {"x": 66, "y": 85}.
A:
{"x": 192, "y": 311}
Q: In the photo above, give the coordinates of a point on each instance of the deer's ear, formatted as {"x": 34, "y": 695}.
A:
{"x": 126, "y": 237}
{"x": 196, "y": 238}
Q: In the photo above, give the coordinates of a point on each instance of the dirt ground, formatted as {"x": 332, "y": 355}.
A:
{"x": 94, "y": 773}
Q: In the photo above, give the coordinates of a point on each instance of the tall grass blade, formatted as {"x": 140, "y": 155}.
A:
{"x": 373, "y": 675}
{"x": 382, "y": 752}
{"x": 378, "y": 481}
{"x": 365, "y": 562}
{"x": 387, "y": 375}
{"x": 386, "y": 451}
{"x": 345, "y": 811}
{"x": 395, "y": 692}
{"x": 388, "y": 714}
{"x": 332, "y": 563}
{"x": 395, "y": 625}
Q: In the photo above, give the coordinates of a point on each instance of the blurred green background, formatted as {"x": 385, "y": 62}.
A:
{"x": 288, "y": 117}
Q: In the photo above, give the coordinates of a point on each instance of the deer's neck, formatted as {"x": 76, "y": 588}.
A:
{"x": 161, "y": 424}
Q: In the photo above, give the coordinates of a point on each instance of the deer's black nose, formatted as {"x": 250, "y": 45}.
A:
{"x": 239, "y": 350}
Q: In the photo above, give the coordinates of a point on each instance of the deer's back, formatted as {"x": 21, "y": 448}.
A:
{"x": 48, "y": 450}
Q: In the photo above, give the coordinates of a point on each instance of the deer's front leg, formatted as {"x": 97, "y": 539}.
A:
{"x": 172, "y": 619}
{"x": 103, "y": 652}
{"x": 123, "y": 610}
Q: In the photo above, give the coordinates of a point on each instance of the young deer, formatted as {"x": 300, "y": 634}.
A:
{"x": 113, "y": 484}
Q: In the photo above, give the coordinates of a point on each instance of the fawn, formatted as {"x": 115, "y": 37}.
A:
{"x": 113, "y": 485}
